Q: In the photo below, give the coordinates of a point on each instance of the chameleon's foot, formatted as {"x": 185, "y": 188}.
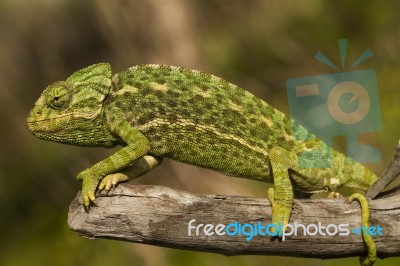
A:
{"x": 334, "y": 194}
{"x": 111, "y": 180}
{"x": 89, "y": 185}
{"x": 369, "y": 242}
{"x": 280, "y": 212}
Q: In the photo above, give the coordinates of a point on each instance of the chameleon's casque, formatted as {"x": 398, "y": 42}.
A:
{"x": 157, "y": 111}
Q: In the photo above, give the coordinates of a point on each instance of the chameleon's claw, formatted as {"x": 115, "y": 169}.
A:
{"x": 88, "y": 198}
{"x": 86, "y": 201}
{"x": 94, "y": 203}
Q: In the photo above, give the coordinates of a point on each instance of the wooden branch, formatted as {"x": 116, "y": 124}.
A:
{"x": 391, "y": 172}
{"x": 159, "y": 216}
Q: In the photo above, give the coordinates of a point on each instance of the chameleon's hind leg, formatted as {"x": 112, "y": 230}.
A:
{"x": 281, "y": 196}
{"x": 369, "y": 242}
{"x": 287, "y": 174}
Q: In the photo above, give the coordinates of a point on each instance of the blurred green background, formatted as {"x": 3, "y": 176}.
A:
{"x": 257, "y": 45}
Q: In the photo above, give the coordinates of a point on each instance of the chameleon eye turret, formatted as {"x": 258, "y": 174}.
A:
{"x": 58, "y": 97}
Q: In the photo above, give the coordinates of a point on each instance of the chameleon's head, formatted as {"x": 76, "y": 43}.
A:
{"x": 69, "y": 111}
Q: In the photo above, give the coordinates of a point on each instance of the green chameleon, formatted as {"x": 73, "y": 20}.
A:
{"x": 157, "y": 111}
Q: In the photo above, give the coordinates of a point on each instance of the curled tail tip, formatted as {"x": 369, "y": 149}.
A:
{"x": 367, "y": 261}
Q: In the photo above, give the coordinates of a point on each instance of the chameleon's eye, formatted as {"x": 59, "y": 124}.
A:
{"x": 58, "y": 97}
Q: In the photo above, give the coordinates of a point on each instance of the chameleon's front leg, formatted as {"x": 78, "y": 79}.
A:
{"x": 137, "y": 146}
{"x": 281, "y": 196}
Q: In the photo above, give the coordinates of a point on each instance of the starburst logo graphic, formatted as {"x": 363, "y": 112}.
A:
{"x": 343, "y": 52}
{"x": 337, "y": 104}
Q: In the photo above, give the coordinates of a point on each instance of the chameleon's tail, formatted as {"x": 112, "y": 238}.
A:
{"x": 369, "y": 242}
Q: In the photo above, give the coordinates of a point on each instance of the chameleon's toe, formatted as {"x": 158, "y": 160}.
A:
{"x": 111, "y": 180}
{"x": 87, "y": 198}
{"x": 334, "y": 195}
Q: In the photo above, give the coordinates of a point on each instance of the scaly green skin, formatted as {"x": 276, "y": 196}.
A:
{"x": 162, "y": 111}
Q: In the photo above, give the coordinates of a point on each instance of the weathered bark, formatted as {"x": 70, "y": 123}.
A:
{"x": 159, "y": 216}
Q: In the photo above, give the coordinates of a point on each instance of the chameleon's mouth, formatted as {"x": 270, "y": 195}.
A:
{"x": 36, "y": 121}
{"x": 33, "y": 120}
{"x": 42, "y": 127}
{"x": 36, "y": 128}
{"x": 45, "y": 123}
{"x": 44, "y": 131}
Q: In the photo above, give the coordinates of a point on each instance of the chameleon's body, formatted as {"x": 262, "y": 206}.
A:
{"x": 196, "y": 118}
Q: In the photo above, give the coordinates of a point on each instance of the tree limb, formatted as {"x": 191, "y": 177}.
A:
{"x": 391, "y": 172}
{"x": 159, "y": 216}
